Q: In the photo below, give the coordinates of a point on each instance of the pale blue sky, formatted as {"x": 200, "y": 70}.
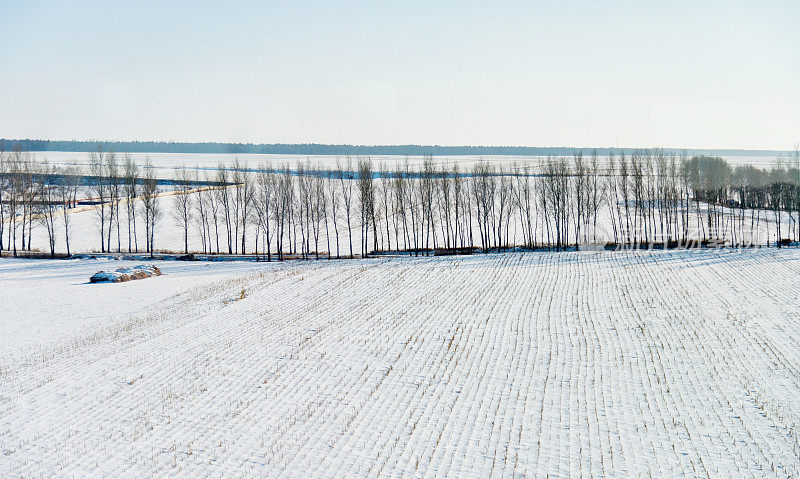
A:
{"x": 584, "y": 73}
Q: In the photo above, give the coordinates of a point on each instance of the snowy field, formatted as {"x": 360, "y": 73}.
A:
{"x": 595, "y": 364}
{"x": 165, "y": 162}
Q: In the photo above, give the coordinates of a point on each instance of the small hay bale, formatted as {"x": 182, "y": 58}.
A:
{"x": 122, "y": 275}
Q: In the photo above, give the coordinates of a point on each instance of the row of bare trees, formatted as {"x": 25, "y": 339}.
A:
{"x": 29, "y": 197}
{"x": 112, "y": 183}
{"x": 650, "y": 197}
{"x": 645, "y": 198}
{"x": 34, "y": 193}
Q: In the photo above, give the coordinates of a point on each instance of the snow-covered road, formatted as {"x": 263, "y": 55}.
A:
{"x": 594, "y": 364}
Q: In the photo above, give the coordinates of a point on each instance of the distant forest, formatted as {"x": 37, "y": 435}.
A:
{"x": 335, "y": 150}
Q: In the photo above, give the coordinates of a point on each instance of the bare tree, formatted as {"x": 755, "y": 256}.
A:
{"x": 624, "y": 192}
{"x": 15, "y": 188}
{"x": 777, "y": 186}
{"x": 318, "y": 205}
{"x": 31, "y": 194}
{"x": 504, "y": 207}
{"x": 152, "y": 210}
{"x": 130, "y": 189}
{"x": 556, "y": 189}
{"x": 183, "y": 204}
{"x": 282, "y": 206}
{"x": 24, "y": 193}
{"x": 386, "y": 201}
{"x": 581, "y": 193}
{"x": 114, "y": 189}
{"x": 5, "y": 185}
{"x": 201, "y": 205}
{"x": 412, "y": 201}
{"x": 213, "y": 205}
{"x": 67, "y": 191}
{"x": 458, "y": 200}
{"x": 366, "y": 198}
{"x": 223, "y": 202}
{"x": 526, "y": 205}
{"x": 304, "y": 208}
{"x": 97, "y": 169}
{"x": 346, "y": 182}
{"x": 485, "y": 194}
{"x": 245, "y": 198}
{"x": 263, "y": 204}
{"x": 613, "y": 198}
{"x": 48, "y": 204}
{"x": 427, "y": 196}
{"x": 597, "y": 193}
{"x": 237, "y": 201}
{"x": 401, "y": 207}
{"x": 333, "y": 198}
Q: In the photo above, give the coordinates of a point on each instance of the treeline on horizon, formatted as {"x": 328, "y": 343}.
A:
{"x": 334, "y": 150}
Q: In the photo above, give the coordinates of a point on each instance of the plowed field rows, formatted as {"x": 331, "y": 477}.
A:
{"x": 593, "y": 364}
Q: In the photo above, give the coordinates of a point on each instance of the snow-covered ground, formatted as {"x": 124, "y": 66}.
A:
{"x": 45, "y": 302}
{"x": 607, "y": 364}
{"x": 167, "y": 161}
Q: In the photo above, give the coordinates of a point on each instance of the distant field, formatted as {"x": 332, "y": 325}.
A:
{"x": 564, "y": 364}
{"x": 168, "y": 161}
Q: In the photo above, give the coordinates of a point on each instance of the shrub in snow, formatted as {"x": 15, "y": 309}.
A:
{"x": 125, "y": 274}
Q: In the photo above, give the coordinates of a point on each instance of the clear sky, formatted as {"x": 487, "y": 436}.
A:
{"x": 554, "y": 73}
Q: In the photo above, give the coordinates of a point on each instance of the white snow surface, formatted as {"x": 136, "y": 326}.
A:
{"x": 168, "y": 161}
{"x": 657, "y": 363}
